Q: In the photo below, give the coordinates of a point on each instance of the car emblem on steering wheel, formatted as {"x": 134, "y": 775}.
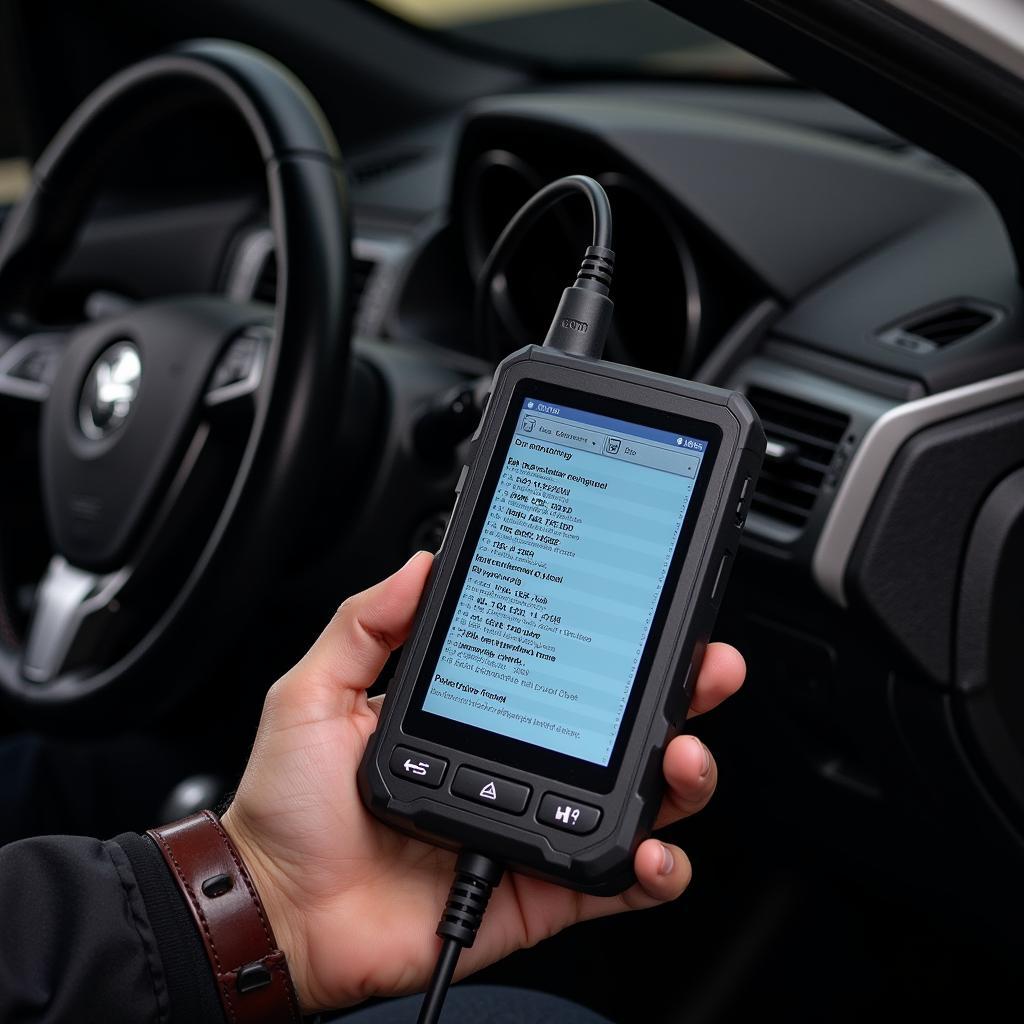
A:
{"x": 110, "y": 391}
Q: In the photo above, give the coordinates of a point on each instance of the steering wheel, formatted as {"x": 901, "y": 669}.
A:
{"x": 180, "y": 442}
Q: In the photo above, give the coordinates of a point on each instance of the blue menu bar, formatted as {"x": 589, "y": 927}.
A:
{"x": 693, "y": 444}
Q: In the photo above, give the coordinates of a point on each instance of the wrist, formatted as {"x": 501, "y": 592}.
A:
{"x": 250, "y": 970}
{"x": 281, "y": 912}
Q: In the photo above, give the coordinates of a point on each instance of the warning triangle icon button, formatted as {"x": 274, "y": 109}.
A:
{"x": 497, "y": 792}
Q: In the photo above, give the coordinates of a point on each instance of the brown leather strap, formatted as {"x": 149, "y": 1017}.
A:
{"x": 252, "y": 976}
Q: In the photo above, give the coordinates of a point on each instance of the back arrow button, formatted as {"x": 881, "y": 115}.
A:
{"x": 415, "y": 766}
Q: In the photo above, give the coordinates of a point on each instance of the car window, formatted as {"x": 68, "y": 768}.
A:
{"x": 583, "y": 36}
{"x": 13, "y": 164}
{"x": 13, "y": 178}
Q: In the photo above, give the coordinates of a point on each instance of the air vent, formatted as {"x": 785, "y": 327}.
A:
{"x": 265, "y": 288}
{"x": 938, "y": 327}
{"x": 367, "y": 170}
{"x": 802, "y": 441}
{"x": 362, "y": 271}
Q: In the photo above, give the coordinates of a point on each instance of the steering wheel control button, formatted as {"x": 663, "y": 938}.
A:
{"x": 216, "y": 886}
{"x": 240, "y": 367}
{"x": 33, "y": 359}
{"x": 569, "y": 816}
{"x": 236, "y": 364}
{"x": 424, "y": 769}
{"x": 35, "y": 367}
{"x": 491, "y": 789}
{"x": 28, "y": 367}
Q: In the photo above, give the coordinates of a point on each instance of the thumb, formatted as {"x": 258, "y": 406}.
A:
{"x": 368, "y": 626}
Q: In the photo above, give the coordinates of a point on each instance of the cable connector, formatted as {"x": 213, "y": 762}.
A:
{"x": 475, "y": 879}
{"x": 584, "y": 315}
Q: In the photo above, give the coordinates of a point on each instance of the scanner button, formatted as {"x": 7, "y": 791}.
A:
{"x": 568, "y": 815}
{"x": 425, "y": 769}
{"x": 490, "y": 789}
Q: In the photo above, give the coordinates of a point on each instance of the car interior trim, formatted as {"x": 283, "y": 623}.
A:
{"x": 251, "y": 256}
{"x": 67, "y": 597}
{"x": 254, "y": 252}
{"x": 991, "y": 26}
{"x": 872, "y": 460}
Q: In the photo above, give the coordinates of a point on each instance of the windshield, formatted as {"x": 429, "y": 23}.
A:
{"x": 620, "y": 36}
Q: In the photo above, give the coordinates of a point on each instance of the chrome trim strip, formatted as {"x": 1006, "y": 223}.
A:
{"x": 65, "y": 599}
{"x": 250, "y": 258}
{"x": 992, "y": 28}
{"x": 385, "y": 255}
{"x": 871, "y": 462}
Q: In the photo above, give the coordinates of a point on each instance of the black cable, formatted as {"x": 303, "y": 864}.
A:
{"x": 440, "y": 981}
{"x": 580, "y": 326}
{"x": 475, "y": 878}
{"x": 584, "y": 314}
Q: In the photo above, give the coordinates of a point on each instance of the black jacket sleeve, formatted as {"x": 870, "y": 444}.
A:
{"x": 96, "y": 931}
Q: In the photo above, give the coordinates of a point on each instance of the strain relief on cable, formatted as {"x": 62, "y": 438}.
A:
{"x": 584, "y": 315}
{"x": 597, "y": 269}
{"x": 475, "y": 878}
{"x": 581, "y": 322}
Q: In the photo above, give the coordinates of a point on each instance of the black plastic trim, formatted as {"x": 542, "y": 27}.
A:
{"x": 988, "y": 637}
{"x": 906, "y": 567}
{"x": 890, "y": 66}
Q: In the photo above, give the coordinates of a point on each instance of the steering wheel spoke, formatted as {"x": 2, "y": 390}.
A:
{"x": 70, "y": 605}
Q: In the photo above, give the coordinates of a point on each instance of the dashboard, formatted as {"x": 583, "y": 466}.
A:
{"x": 861, "y": 293}
{"x": 789, "y": 247}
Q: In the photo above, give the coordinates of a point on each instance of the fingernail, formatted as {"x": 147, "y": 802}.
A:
{"x": 413, "y": 558}
{"x": 705, "y": 756}
{"x": 668, "y": 862}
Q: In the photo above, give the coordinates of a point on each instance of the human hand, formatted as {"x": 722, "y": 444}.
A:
{"x": 353, "y": 903}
